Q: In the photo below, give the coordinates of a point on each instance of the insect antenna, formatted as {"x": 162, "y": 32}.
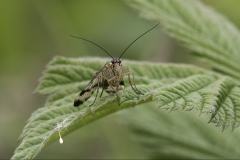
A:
{"x": 137, "y": 39}
{"x": 92, "y": 43}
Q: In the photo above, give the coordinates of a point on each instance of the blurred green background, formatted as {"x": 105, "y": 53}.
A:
{"x": 33, "y": 32}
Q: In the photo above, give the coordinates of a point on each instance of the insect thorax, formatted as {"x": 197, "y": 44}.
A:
{"x": 110, "y": 71}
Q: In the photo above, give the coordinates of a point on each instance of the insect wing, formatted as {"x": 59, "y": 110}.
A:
{"x": 88, "y": 90}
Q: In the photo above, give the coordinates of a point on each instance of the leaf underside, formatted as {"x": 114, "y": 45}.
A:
{"x": 173, "y": 86}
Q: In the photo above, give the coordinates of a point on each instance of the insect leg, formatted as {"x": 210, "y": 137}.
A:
{"x": 96, "y": 95}
{"x": 118, "y": 97}
{"x": 128, "y": 73}
{"x": 102, "y": 90}
{"x": 108, "y": 80}
{"x": 115, "y": 92}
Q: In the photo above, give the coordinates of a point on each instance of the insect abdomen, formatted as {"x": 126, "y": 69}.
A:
{"x": 109, "y": 89}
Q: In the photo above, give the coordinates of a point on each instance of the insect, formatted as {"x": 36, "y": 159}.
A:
{"x": 110, "y": 77}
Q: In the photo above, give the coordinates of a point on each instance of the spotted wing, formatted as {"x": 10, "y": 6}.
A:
{"x": 88, "y": 90}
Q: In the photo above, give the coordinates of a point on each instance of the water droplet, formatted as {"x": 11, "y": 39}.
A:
{"x": 61, "y": 140}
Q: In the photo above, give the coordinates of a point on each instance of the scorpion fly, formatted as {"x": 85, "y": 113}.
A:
{"x": 110, "y": 77}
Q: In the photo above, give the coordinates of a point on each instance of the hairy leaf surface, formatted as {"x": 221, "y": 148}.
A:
{"x": 209, "y": 35}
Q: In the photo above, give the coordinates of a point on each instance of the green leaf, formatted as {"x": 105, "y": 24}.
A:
{"x": 161, "y": 135}
{"x": 173, "y": 86}
{"x": 209, "y": 35}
